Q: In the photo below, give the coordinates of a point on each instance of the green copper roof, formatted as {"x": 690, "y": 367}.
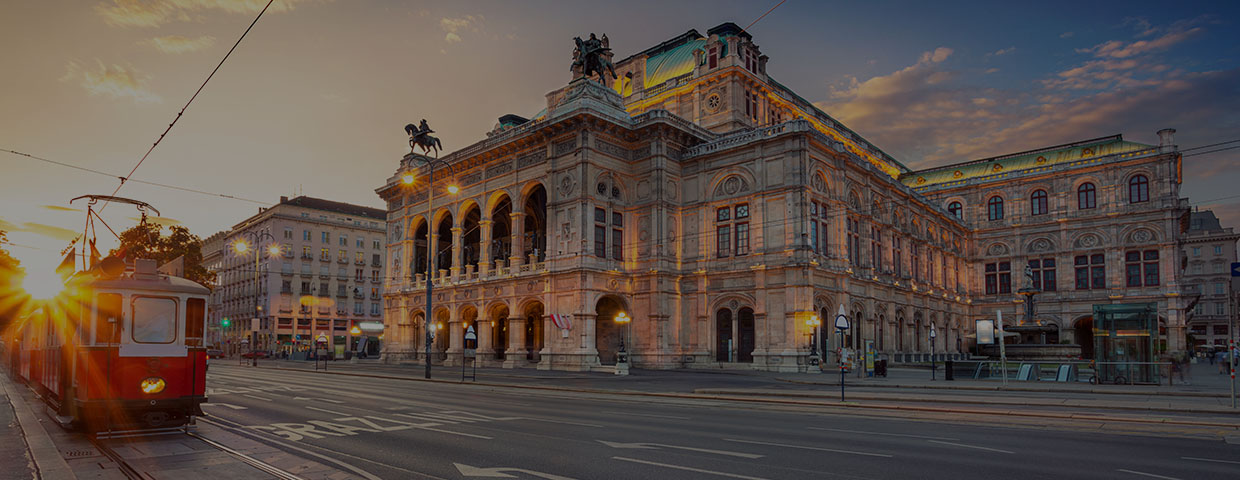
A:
{"x": 1046, "y": 157}
{"x": 671, "y": 63}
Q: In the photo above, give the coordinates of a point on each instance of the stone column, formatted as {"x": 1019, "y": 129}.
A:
{"x": 432, "y": 245}
{"x": 456, "y": 251}
{"x": 518, "y": 238}
{"x": 514, "y": 357}
{"x": 484, "y": 251}
{"x": 485, "y": 352}
{"x": 456, "y": 337}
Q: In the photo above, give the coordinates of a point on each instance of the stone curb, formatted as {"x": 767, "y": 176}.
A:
{"x": 1000, "y": 388}
{"x": 1022, "y": 413}
{"x": 47, "y": 459}
{"x": 1214, "y": 410}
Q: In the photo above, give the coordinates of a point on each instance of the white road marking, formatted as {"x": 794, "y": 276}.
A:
{"x": 328, "y": 400}
{"x": 691, "y": 469}
{"x": 498, "y": 472}
{"x": 648, "y": 415}
{"x": 803, "y": 447}
{"x": 229, "y": 405}
{"x": 1210, "y": 460}
{"x": 1134, "y": 472}
{"x": 970, "y": 446}
{"x": 256, "y": 397}
{"x": 333, "y": 412}
{"x": 881, "y": 433}
{"x": 484, "y": 437}
{"x": 538, "y": 419}
{"x": 656, "y": 446}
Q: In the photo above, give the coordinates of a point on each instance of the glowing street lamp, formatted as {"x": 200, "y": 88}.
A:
{"x": 814, "y": 323}
{"x": 623, "y": 319}
{"x": 241, "y": 247}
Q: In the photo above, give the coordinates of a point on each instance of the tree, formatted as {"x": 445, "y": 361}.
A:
{"x": 12, "y": 299}
{"x": 146, "y": 240}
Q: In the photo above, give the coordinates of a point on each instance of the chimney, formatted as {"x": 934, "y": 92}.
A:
{"x": 1166, "y": 139}
{"x": 283, "y": 199}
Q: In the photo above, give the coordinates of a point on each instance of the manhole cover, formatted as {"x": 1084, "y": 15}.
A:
{"x": 79, "y": 453}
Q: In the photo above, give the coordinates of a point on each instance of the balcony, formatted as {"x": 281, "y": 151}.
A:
{"x": 342, "y": 261}
{"x": 376, "y": 314}
{"x": 307, "y": 256}
{"x": 286, "y": 290}
{"x": 358, "y": 295}
{"x": 342, "y": 294}
{"x": 375, "y": 264}
{"x": 325, "y": 258}
{"x": 359, "y": 262}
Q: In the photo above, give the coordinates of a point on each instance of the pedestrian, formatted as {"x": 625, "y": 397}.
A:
{"x": 1186, "y": 373}
{"x": 1220, "y": 357}
{"x": 1210, "y": 356}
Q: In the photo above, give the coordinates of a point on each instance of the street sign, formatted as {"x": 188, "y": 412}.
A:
{"x": 985, "y": 332}
{"x": 322, "y": 338}
{"x": 1235, "y": 269}
{"x": 254, "y": 325}
{"x": 841, "y": 320}
{"x": 470, "y": 335}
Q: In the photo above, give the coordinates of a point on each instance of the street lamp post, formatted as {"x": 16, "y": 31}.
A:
{"x": 622, "y": 357}
{"x": 815, "y": 326}
{"x": 841, "y": 323}
{"x": 408, "y": 179}
{"x": 274, "y": 250}
{"x": 933, "y": 363}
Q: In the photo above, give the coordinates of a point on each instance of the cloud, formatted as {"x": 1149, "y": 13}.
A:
{"x": 59, "y": 208}
{"x": 163, "y": 221}
{"x": 1121, "y": 49}
{"x": 153, "y": 13}
{"x": 114, "y": 80}
{"x": 1002, "y": 52}
{"x": 180, "y": 44}
{"x": 453, "y": 25}
{"x": 50, "y": 231}
{"x": 1066, "y": 35}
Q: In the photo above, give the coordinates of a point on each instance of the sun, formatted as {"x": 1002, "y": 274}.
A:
{"x": 42, "y": 285}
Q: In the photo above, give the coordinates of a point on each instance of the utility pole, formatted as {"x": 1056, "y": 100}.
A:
{"x": 1231, "y": 347}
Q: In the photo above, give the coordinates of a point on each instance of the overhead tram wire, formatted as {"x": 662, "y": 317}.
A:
{"x": 144, "y": 182}
{"x": 191, "y": 100}
{"x": 781, "y": 2}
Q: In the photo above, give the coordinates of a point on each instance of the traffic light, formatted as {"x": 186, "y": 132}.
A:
{"x": 225, "y": 322}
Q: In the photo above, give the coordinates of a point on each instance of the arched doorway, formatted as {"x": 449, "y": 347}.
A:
{"x": 469, "y": 319}
{"x": 533, "y": 331}
{"x": 878, "y": 337}
{"x": 608, "y": 333}
{"x": 746, "y": 331}
{"x": 443, "y": 247}
{"x": 916, "y": 346}
{"x": 900, "y": 340}
{"x": 723, "y": 335}
{"x": 536, "y": 223}
{"x": 501, "y": 232}
{"x": 417, "y": 341}
{"x": 418, "y": 262}
{"x": 828, "y": 322}
{"x": 499, "y": 330}
{"x": 471, "y": 237}
{"x": 1083, "y": 334}
{"x": 442, "y": 335}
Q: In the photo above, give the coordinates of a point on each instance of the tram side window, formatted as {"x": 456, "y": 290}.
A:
{"x": 195, "y": 311}
{"x": 154, "y": 320}
{"x": 107, "y": 318}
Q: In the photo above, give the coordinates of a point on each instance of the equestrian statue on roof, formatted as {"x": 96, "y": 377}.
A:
{"x": 592, "y": 57}
{"x": 421, "y": 136}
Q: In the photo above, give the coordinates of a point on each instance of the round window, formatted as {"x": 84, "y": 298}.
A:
{"x": 602, "y": 188}
{"x": 713, "y": 102}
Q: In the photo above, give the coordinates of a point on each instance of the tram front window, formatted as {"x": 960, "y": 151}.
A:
{"x": 107, "y": 318}
{"x": 154, "y": 320}
{"x": 195, "y": 311}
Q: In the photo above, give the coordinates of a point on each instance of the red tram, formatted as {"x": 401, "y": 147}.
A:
{"x": 118, "y": 351}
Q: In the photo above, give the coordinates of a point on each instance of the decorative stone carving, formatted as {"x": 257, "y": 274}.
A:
{"x": 997, "y": 249}
{"x": 641, "y": 152}
{"x": 564, "y": 147}
{"x": 643, "y": 189}
{"x": 1142, "y": 236}
{"x": 731, "y": 186}
{"x": 499, "y": 169}
{"x": 566, "y": 185}
{"x": 533, "y": 158}
{"x": 612, "y": 149}
{"x": 733, "y": 304}
{"x": 613, "y": 284}
{"x": 818, "y": 183}
{"x": 1088, "y": 241}
{"x": 472, "y": 178}
{"x": 1040, "y": 245}
{"x": 673, "y": 190}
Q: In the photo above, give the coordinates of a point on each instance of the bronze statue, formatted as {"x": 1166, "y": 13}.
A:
{"x": 592, "y": 57}
{"x": 421, "y": 136}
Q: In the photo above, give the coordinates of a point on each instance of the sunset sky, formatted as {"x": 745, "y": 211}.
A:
{"x": 315, "y": 99}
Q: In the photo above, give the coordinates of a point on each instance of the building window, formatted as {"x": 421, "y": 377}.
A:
{"x": 1196, "y": 251}
{"x": 376, "y": 246}
{"x": 1141, "y": 267}
{"x": 876, "y": 247}
{"x": 344, "y": 240}
{"x": 1138, "y": 189}
{"x": 600, "y": 233}
{"x": 343, "y": 256}
{"x": 305, "y": 235}
{"x": 1218, "y": 249}
{"x": 359, "y": 258}
{"x": 617, "y": 236}
{"x": 742, "y": 211}
{"x": 998, "y": 278}
{"x": 742, "y": 238}
{"x": 896, "y": 254}
{"x": 1086, "y": 196}
{"x": 374, "y": 275}
{"x": 326, "y": 238}
{"x": 1037, "y": 203}
{"x": 1218, "y": 288}
{"x": 1218, "y": 308}
{"x": 713, "y": 58}
{"x": 954, "y": 208}
{"x": 943, "y": 269}
{"x": 813, "y": 226}
{"x": 288, "y": 233}
{"x": 723, "y": 240}
{"x": 723, "y": 214}
{"x": 854, "y": 241}
{"x": 818, "y": 227}
{"x": 994, "y": 208}
{"x": 1091, "y": 272}
{"x": 361, "y": 243}
{"x": 325, "y": 254}
{"x": 359, "y": 274}
{"x": 1043, "y": 274}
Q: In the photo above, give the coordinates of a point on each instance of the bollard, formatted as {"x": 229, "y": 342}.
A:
{"x": 947, "y": 370}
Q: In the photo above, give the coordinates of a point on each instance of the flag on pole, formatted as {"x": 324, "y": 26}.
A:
{"x": 563, "y": 322}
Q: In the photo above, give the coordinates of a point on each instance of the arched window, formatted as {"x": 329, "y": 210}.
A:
{"x": 1086, "y": 196}
{"x": 955, "y": 209}
{"x": 1037, "y": 203}
{"x": 994, "y": 207}
{"x": 1138, "y": 189}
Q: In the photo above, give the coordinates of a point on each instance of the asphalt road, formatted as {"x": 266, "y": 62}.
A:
{"x": 383, "y": 428}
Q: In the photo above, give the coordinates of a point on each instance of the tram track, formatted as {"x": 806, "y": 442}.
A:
{"x": 132, "y": 472}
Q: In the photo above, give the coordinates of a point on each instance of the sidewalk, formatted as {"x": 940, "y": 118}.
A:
{"x": 24, "y": 439}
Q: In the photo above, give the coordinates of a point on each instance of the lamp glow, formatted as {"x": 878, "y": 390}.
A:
{"x": 152, "y": 385}
{"x": 274, "y": 250}
{"x": 241, "y": 247}
{"x": 408, "y": 179}
{"x": 453, "y": 189}
{"x": 622, "y": 318}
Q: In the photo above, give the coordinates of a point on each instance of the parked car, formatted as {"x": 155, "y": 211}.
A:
{"x": 215, "y": 353}
{"x": 256, "y": 353}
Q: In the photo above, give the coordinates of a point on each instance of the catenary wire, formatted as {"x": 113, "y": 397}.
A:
{"x": 144, "y": 182}
{"x": 191, "y": 100}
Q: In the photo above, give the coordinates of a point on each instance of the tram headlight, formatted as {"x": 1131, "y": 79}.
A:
{"x": 152, "y": 385}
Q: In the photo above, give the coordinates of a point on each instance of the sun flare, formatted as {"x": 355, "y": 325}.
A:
{"x": 42, "y": 285}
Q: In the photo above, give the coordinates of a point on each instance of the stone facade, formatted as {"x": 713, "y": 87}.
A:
{"x": 1209, "y": 250}
{"x": 327, "y": 278}
{"x": 720, "y": 212}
